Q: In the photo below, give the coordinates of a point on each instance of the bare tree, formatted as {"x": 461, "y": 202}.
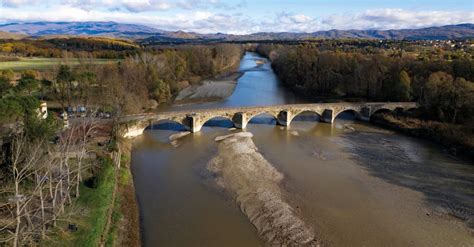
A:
{"x": 26, "y": 161}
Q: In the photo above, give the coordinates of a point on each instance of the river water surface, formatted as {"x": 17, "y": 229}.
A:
{"x": 353, "y": 183}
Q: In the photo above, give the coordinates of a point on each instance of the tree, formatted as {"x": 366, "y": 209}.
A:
{"x": 64, "y": 80}
{"x": 162, "y": 92}
{"x": 8, "y": 74}
{"x": 44, "y": 85}
{"x": 16, "y": 108}
{"x": 4, "y": 85}
{"x": 439, "y": 87}
{"x": 448, "y": 96}
{"x": 85, "y": 82}
{"x": 39, "y": 129}
{"x": 463, "y": 99}
{"x": 29, "y": 74}
{"x": 403, "y": 88}
{"x": 27, "y": 159}
{"x": 464, "y": 68}
{"x": 28, "y": 83}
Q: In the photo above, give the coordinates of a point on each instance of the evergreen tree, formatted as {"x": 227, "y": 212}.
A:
{"x": 403, "y": 88}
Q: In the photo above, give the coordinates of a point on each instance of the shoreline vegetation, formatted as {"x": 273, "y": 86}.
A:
{"x": 106, "y": 213}
{"x": 457, "y": 139}
{"x": 442, "y": 86}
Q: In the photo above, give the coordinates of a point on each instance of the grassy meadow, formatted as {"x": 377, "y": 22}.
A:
{"x": 43, "y": 63}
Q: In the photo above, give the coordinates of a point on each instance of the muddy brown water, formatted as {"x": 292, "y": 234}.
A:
{"x": 356, "y": 186}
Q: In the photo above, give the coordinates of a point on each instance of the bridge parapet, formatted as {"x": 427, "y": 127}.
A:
{"x": 284, "y": 114}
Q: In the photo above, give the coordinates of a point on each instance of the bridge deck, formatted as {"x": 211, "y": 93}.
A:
{"x": 241, "y": 116}
{"x": 233, "y": 110}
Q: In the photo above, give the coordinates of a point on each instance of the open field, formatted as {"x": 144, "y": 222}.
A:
{"x": 43, "y": 63}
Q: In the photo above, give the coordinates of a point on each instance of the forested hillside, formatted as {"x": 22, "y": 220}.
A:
{"x": 54, "y": 47}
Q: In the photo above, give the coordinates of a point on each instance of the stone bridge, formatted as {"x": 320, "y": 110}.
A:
{"x": 193, "y": 120}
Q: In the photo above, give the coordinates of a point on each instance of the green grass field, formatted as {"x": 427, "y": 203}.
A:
{"x": 43, "y": 63}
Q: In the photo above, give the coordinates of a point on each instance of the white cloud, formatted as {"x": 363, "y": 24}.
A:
{"x": 209, "y": 21}
{"x": 129, "y": 5}
{"x": 16, "y": 3}
{"x": 370, "y": 19}
{"x": 397, "y": 19}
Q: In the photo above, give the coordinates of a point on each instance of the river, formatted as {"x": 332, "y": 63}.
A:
{"x": 355, "y": 186}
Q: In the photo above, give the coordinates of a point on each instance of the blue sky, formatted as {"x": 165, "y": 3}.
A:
{"x": 246, "y": 16}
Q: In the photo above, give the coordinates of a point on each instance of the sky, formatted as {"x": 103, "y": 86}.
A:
{"x": 247, "y": 16}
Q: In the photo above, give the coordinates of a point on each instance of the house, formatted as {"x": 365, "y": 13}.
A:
{"x": 43, "y": 110}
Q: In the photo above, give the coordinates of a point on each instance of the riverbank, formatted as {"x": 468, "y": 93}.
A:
{"x": 85, "y": 221}
{"x": 457, "y": 139}
{"x": 106, "y": 213}
{"x": 127, "y": 219}
{"x": 209, "y": 90}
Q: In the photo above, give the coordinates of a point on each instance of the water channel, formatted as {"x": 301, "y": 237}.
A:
{"x": 355, "y": 186}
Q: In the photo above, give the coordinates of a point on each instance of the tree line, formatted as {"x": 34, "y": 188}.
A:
{"x": 444, "y": 88}
{"x": 144, "y": 80}
{"x": 55, "y": 47}
{"x": 131, "y": 85}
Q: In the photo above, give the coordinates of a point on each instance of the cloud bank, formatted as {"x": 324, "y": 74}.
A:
{"x": 212, "y": 16}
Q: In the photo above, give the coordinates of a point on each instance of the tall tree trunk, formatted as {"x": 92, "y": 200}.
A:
{"x": 455, "y": 114}
{"x": 17, "y": 213}
{"x": 43, "y": 223}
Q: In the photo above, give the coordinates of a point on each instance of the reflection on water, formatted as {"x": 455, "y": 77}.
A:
{"x": 355, "y": 184}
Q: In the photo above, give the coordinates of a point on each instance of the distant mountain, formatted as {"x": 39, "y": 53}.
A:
{"x": 7, "y": 35}
{"x": 431, "y": 33}
{"x": 112, "y": 29}
{"x": 460, "y": 31}
{"x": 151, "y": 35}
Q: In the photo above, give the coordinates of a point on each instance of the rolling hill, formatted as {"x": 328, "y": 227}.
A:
{"x": 111, "y": 29}
{"x": 7, "y": 35}
{"x": 149, "y": 34}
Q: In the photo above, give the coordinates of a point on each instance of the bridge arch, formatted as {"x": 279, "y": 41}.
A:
{"x": 217, "y": 121}
{"x": 307, "y": 114}
{"x": 255, "y": 116}
{"x": 409, "y": 108}
{"x": 390, "y": 109}
{"x": 166, "y": 124}
{"x": 381, "y": 110}
{"x": 354, "y": 111}
{"x": 207, "y": 119}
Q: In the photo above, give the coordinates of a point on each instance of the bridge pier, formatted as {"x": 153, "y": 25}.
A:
{"x": 193, "y": 123}
{"x": 328, "y": 116}
{"x": 284, "y": 118}
{"x": 365, "y": 113}
{"x": 240, "y": 120}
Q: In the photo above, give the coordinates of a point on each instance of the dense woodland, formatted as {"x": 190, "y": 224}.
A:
{"x": 55, "y": 47}
{"x": 444, "y": 87}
